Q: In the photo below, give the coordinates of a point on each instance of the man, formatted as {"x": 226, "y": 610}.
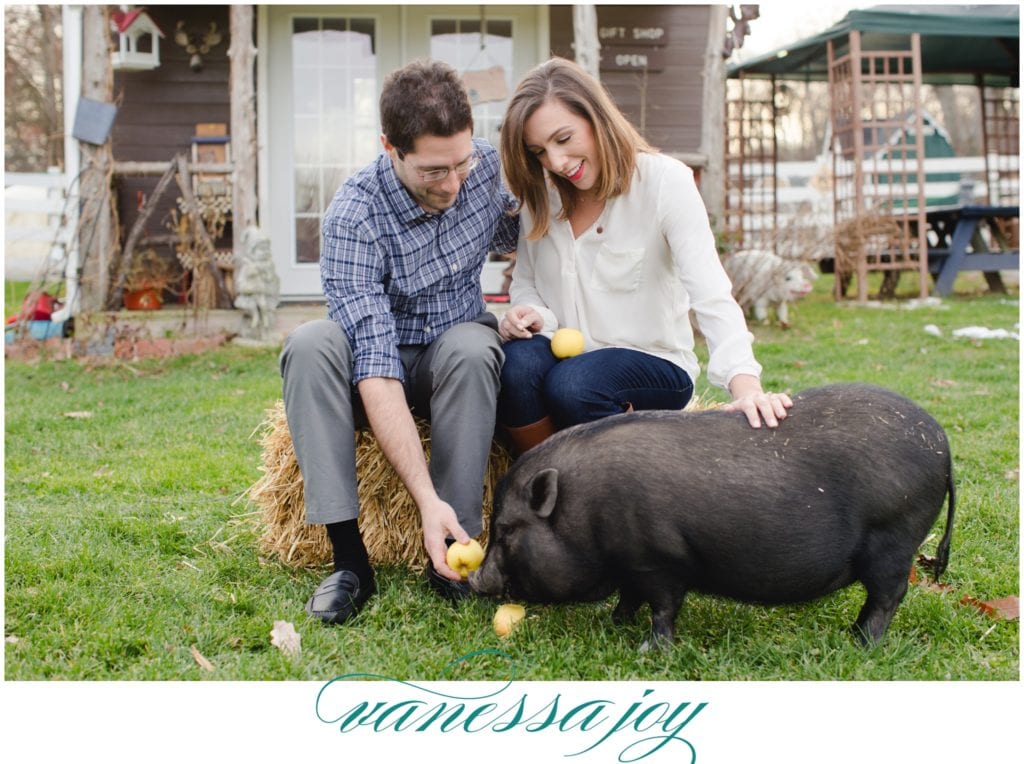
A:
{"x": 405, "y": 239}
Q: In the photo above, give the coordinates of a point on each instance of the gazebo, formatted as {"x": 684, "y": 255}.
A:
{"x": 876, "y": 62}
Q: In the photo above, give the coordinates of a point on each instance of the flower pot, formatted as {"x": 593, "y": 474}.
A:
{"x": 143, "y": 299}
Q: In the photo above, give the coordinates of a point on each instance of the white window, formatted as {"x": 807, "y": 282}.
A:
{"x": 334, "y": 115}
{"x": 481, "y": 50}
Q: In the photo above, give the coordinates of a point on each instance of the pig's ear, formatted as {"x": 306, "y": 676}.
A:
{"x": 543, "y": 490}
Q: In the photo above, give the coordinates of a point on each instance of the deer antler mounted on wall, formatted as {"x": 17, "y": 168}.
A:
{"x": 197, "y": 43}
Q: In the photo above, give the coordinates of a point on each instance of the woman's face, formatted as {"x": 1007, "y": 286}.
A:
{"x": 564, "y": 144}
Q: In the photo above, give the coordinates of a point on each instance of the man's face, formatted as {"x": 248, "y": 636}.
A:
{"x": 431, "y": 153}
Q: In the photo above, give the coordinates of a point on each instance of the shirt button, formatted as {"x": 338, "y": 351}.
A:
{"x": 455, "y": 268}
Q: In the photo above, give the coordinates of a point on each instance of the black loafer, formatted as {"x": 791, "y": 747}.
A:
{"x": 339, "y": 597}
{"x": 453, "y": 591}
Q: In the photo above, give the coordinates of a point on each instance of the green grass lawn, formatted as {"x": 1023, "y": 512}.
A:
{"x": 127, "y": 545}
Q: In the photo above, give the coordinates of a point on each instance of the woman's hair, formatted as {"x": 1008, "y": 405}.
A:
{"x": 423, "y": 98}
{"x": 617, "y": 140}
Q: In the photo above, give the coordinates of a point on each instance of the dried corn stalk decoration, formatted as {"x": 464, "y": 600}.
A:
{"x": 194, "y": 251}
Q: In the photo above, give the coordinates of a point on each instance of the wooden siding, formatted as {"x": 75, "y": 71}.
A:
{"x": 158, "y": 110}
{"x": 674, "y": 97}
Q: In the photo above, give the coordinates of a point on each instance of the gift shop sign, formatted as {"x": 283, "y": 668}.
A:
{"x": 632, "y": 48}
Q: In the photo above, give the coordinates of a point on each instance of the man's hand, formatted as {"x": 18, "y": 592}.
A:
{"x": 439, "y": 522}
{"x": 520, "y": 322}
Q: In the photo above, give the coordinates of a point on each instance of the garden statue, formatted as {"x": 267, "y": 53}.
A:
{"x": 257, "y": 288}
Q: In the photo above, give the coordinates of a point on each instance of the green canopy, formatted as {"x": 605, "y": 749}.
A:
{"x": 957, "y": 43}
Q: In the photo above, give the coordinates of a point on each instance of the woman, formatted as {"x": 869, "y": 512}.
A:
{"x": 614, "y": 241}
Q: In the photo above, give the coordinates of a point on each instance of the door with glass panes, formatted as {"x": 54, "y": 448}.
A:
{"x": 323, "y": 75}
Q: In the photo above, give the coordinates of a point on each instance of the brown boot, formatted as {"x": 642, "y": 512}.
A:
{"x": 526, "y": 437}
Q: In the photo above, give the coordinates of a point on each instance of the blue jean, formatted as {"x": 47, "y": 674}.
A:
{"x": 535, "y": 384}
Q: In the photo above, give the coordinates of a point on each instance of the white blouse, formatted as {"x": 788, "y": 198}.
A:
{"x": 631, "y": 279}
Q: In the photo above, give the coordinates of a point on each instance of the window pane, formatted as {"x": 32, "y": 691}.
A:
{"x": 333, "y": 177}
{"x": 341, "y": 48}
{"x": 442, "y": 26}
{"x": 486, "y": 71}
{"x": 305, "y": 95}
{"x": 307, "y": 190}
{"x": 304, "y": 42}
{"x": 307, "y": 140}
{"x": 307, "y": 240}
{"x": 365, "y": 28}
{"x": 335, "y": 121}
{"x": 500, "y": 29}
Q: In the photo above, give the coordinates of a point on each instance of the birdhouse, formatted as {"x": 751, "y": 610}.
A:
{"x": 138, "y": 41}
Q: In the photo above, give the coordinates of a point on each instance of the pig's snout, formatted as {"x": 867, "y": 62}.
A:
{"x": 486, "y": 581}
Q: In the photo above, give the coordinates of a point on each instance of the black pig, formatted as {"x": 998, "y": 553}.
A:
{"x": 654, "y": 504}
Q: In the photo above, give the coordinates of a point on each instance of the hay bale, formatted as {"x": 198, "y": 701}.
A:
{"x": 388, "y": 517}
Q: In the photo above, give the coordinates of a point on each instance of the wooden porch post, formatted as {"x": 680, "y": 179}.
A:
{"x": 243, "y": 123}
{"x": 713, "y": 130}
{"x": 585, "y": 39}
{"x": 95, "y": 229}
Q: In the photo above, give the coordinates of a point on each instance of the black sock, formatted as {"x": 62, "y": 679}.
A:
{"x": 349, "y": 551}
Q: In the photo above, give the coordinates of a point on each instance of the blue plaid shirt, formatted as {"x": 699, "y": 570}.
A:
{"x": 396, "y": 275}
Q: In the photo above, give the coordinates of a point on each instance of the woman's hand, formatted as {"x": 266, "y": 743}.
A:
{"x": 748, "y": 397}
{"x": 520, "y": 322}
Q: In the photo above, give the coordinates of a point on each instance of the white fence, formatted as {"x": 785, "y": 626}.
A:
{"x": 804, "y": 189}
{"x": 34, "y": 206}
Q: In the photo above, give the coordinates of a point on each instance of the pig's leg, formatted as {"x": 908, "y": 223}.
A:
{"x": 629, "y": 603}
{"x": 886, "y": 585}
{"x": 665, "y": 606}
{"x": 761, "y": 310}
{"x": 782, "y": 312}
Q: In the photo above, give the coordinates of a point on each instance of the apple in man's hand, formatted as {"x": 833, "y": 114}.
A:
{"x": 464, "y": 558}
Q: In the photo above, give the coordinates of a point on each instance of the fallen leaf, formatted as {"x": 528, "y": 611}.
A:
{"x": 78, "y": 414}
{"x": 1005, "y": 608}
{"x": 11, "y": 640}
{"x": 284, "y": 637}
{"x": 203, "y": 663}
{"x": 1012, "y": 474}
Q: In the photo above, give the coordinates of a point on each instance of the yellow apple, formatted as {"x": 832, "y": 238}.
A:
{"x": 565, "y": 343}
{"x": 463, "y": 558}
{"x": 506, "y": 618}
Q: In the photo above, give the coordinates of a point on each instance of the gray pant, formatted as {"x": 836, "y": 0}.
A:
{"x": 453, "y": 383}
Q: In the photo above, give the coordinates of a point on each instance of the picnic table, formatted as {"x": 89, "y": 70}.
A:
{"x": 960, "y": 246}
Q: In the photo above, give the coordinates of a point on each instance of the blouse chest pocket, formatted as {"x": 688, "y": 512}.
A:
{"x": 617, "y": 270}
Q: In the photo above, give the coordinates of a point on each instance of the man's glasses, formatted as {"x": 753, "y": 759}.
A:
{"x": 434, "y": 176}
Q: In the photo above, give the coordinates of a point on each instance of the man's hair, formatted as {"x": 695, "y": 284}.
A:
{"x": 617, "y": 141}
{"x": 423, "y": 98}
